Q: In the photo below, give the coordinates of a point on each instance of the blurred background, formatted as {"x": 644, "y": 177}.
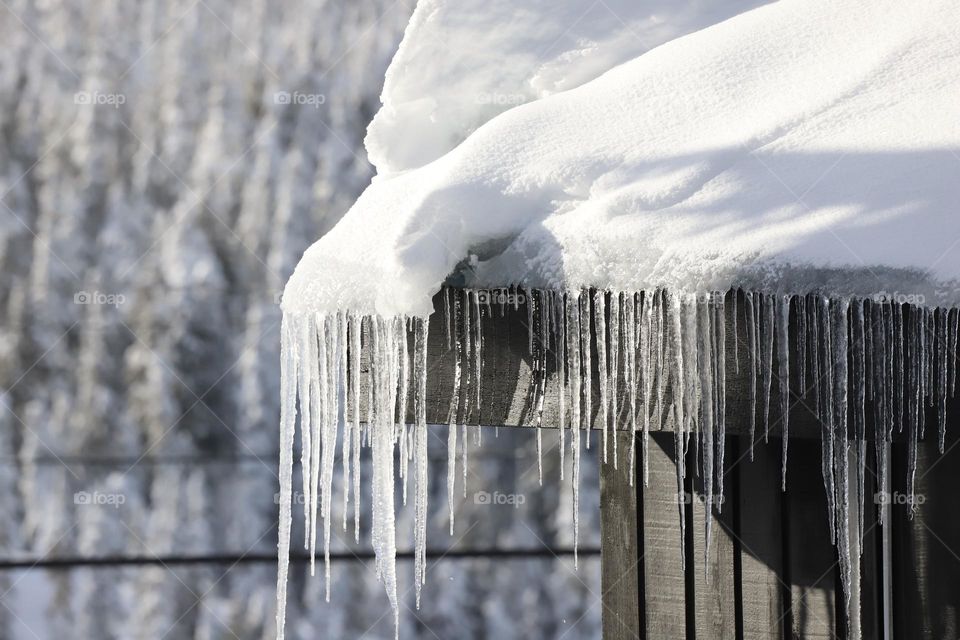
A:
{"x": 163, "y": 165}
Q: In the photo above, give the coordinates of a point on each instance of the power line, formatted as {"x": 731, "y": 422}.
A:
{"x": 239, "y": 458}
{"x": 63, "y": 564}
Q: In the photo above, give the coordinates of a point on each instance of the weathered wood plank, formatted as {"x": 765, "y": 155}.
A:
{"x": 620, "y": 561}
{"x": 926, "y": 547}
{"x": 664, "y": 579}
{"x": 713, "y": 567}
{"x": 871, "y": 613}
{"x": 763, "y": 583}
{"x": 812, "y": 565}
{"x": 510, "y": 380}
{"x": 854, "y": 631}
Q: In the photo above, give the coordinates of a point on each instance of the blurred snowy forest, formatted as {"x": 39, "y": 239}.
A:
{"x": 163, "y": 165}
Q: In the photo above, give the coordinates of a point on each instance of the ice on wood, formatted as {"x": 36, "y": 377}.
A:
{"x": 632, "y": 187}
{"x": 660, "y": 353}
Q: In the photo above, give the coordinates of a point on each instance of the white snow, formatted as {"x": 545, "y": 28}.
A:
{"x": 797, "y": 146}
{"x": 463, "y": 63}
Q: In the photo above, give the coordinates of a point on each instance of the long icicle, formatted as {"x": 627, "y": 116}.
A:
{"x": 308, "y": 362}
{"x": 783, "y": 379}
{"x": 614, "y": 368}
{"x": 454, "y": 416}
{"x": 420, "y": 455}
{"x": 672, "y": 347}
{"x": 288, "y": 420}
{"x": 750, "y": 300}
{"x": 575, "y": 360}
{"x": 599, "y": 324}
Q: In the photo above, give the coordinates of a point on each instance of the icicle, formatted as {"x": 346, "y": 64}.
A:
{"x": 813, "y": 324}
{"x": 464, "y": 455}
{"x": 446, "y": 313}
{"x": 720, "y": 375}
{"x": 802, "y": 342}
{"x": 356, "y": 328}
{"x": 562, "y": 341}
{"x": 826, "y": 415}
{"x": 766, "y": 333}
{"x": 308, "y": 363}
{"x": 953, "y": 329}
{"x": 629, "y": 373}
{"x": 752, "y": 327}
{"x": 599, "y": 324}
{"x": 899, "y": 367}
{"x": 288, "y": 419}
{"x": 900, "y": 357}
{"x": 941, "y": 387}
{"x": 734, "y": 294}
{"x": 859, "y": 411}
{"x": 467, "y": 369}
{"x": 477, "y": 346}
{"x": 677, "y": 409}
{"x": 783, "y": 362}
{"x": 420, "y": 456}
{"x": 402, "y": 395}
{"x": 346, "y": 374}
{"x": 586, "y": 322}
{"x": 383, "y": 443}
{"x": 332, "y": 421}
{"x": 706, "y": 416}
{"x": 614, "y": 368}
{"x": 573, "y": 361}
{"x": 848, "y": 568}
{"x": 646, "y": 335}
{"x": 315, "y": 367}
{"x": 889, "y": 353}
{"x": 922, "y": 351}
{"x": 454, "y": 415}
{"x": 540, "y": 369}
{"x": 914, "y": 406}
{"x": 529, "y": 301}
{"x": 574, "y": 340}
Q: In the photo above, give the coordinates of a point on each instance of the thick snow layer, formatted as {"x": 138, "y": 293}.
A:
{"x": 797, "y": 146}
{"x": 462, "y": 63}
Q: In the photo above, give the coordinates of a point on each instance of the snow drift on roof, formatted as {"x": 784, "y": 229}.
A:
{"x": 797, "y": 146}
{"x": 462, "y": 63}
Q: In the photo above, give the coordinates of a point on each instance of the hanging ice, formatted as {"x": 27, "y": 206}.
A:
{"x": 661, "y": 355}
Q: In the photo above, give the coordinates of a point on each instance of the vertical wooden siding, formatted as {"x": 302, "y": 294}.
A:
{"x": 772, "y": 572}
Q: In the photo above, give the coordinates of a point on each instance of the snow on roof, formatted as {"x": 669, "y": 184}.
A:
{"x": 797, "y": 146}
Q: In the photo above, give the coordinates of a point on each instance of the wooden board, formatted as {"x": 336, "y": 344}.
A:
{"x": 666, "y": 611}
{"x": 772, "y": 568}
{"x": 764, "y": 590}
{"x": 713, "y": 568}
{"x": 621, "y": 563}
{"x": 510, "y": 380}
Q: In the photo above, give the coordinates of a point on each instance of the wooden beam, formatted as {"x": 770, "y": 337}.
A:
{"x": 510, "y": 384}
{"x": 620, "y": 562}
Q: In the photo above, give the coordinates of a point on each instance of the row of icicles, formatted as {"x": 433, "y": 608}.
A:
{"x": 661, "y": 362}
